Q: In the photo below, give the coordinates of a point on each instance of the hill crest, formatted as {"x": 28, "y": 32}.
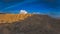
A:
{"x": 12, "y": 17}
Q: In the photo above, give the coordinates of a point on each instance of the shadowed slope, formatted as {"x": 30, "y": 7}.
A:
{"x": 36, "y": 24}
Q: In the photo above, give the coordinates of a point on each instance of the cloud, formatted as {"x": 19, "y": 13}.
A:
{"x": 36, "y": 13}
{"x": 23, "y": 12}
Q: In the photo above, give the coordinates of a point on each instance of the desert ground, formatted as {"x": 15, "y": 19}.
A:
{"x": 28, "y": 24}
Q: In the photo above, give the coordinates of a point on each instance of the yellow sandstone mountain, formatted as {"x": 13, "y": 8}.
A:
{"x": 28, "y": 24}
{"x": 12, "y": 17}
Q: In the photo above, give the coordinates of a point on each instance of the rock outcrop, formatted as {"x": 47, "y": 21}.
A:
{"x": 13, "y": 17}
{"x": 35, "y": 24}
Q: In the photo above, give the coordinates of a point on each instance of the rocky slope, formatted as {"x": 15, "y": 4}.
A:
{"x": 12, "y": 17}
{"x": 34, "y": 24}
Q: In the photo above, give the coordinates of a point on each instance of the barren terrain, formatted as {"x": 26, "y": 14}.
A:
{"x": 28, "y": 24}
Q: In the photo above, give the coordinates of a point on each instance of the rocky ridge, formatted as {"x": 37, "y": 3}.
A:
{"x": 35, "y": 24}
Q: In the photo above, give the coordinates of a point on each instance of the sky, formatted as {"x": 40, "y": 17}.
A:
{"x": 50, "y": 7}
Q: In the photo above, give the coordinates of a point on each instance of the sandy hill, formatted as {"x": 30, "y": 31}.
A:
{"x": 33, "y": 24}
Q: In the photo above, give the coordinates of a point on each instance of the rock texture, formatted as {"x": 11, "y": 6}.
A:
{"x": 13, "y": 17}
{"x": 36, "y": 24}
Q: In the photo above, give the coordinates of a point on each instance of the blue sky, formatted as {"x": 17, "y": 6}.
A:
{"x": 51, "y": 7}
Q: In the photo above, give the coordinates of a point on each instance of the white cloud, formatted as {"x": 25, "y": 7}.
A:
{"x": 23, "y": 12}
{"x": 35, "y": 13}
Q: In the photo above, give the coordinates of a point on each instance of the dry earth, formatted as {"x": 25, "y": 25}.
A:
{"x": 33, "y": 24}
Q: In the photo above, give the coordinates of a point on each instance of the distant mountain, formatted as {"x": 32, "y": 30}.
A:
{"x": 33, "y": 24}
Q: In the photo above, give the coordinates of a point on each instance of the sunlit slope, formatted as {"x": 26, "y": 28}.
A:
{"x": 12, "y": 17}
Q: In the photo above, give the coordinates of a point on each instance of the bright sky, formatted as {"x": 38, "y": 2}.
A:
{"x": 43, "y": 6}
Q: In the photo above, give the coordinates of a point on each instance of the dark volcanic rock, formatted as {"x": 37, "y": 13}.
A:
{"x": 36, "y": 24}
